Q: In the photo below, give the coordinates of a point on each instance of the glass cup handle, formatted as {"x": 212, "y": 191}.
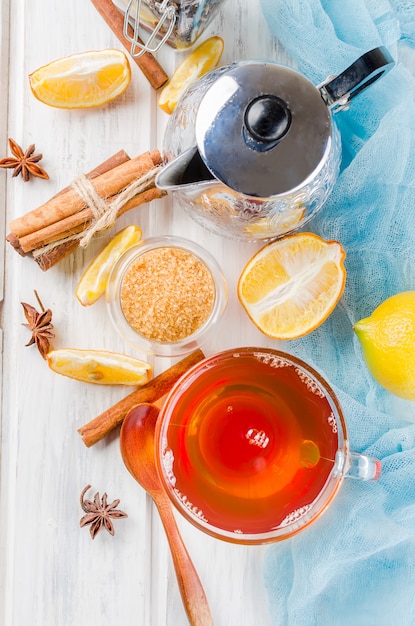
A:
{"x": 359, "y": 466}
{"x": 362, "y": 467}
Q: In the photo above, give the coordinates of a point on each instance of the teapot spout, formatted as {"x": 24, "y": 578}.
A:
{"x": 186, "y": 169}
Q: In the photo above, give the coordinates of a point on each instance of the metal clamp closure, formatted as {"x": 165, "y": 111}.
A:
{"x": 167, "y": 20}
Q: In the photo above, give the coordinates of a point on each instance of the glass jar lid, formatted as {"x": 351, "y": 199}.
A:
{"x": 263, "y": 129}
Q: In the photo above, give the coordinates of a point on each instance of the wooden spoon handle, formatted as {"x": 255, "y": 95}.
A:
{"x": 191, "y": 589}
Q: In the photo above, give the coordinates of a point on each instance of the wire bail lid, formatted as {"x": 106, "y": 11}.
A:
{"x": 167, "y": 12}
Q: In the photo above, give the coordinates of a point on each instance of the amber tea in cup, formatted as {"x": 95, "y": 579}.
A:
{"x": 251, "y": 445}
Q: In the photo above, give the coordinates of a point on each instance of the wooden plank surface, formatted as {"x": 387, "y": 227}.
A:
{"x": 52, "y": 573}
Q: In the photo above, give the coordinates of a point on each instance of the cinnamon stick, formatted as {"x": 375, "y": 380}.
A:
{"x": 79, "y": 221}
{"x": 102, "y": 425}
{"x": 49, "y": 259}
{"x": 147, "y": 63}
{"x": 14, "y": 242}
{"x": 113, "y": 161}
{"x": 64, "y": 204}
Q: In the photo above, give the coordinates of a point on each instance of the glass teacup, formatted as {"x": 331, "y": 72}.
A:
{"x": 251, "y": 446}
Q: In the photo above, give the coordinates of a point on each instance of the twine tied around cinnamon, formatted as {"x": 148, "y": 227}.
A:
{"x": 104, "y": 212}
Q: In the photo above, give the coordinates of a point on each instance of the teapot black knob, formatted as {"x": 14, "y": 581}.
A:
{"x": 267, "y": 119}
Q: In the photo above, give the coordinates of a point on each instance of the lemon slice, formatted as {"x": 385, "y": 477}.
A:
{"x": 387, "y": 338}
{"x": 83, "y": 80}
{"x": 278, "y": 224}
{"x": 203, "y": 59}
{"x": 99, "y": 366}
{"x": 293, "y": 284}
{"x": 93, "y": 281}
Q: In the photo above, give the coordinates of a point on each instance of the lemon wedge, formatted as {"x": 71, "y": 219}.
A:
{"x": 86, "y": 79}
{"x": 93, "y": 281}
{"x": 277, "y": 224}
{"x": 99, "y": 366}
{"x": 203, "y": 59}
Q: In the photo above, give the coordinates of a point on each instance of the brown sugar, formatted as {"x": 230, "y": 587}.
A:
{"x": 167, "y": 294}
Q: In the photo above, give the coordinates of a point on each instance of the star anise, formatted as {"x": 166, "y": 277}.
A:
{"x": 40, "y": 324}
{"x": 99, "y": 513}
{"x": 24, "y": 163}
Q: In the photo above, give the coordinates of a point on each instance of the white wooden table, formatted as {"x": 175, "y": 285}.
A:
{"x": 51, "y": 572}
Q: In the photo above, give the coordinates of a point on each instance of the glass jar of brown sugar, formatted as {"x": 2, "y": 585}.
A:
{"x": 165, "y": 294}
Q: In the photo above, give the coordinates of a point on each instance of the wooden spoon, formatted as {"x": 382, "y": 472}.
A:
{"x": 137, "y": 450}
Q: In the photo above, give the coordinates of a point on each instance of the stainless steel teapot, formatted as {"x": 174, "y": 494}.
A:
{"x": 252, "y": 150}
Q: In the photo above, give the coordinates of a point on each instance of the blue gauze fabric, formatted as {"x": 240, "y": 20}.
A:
{"x": 356, "y": 564}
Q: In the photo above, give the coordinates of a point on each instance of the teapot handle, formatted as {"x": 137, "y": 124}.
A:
{"x": 339, "y": 90}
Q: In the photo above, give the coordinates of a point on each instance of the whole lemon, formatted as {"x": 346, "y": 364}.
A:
{"x": 387, "y": 338}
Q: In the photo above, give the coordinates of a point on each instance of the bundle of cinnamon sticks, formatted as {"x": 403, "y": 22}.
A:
{"x": 55, "y": 229}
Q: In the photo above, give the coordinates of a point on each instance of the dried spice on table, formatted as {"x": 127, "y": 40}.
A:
{"x": 72, "y": 217}
{"x": 24, "y": 162}
{"x": 148, "y": 64}
{"x": 40, "y": 323}
{"x": 99, "y": 513}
